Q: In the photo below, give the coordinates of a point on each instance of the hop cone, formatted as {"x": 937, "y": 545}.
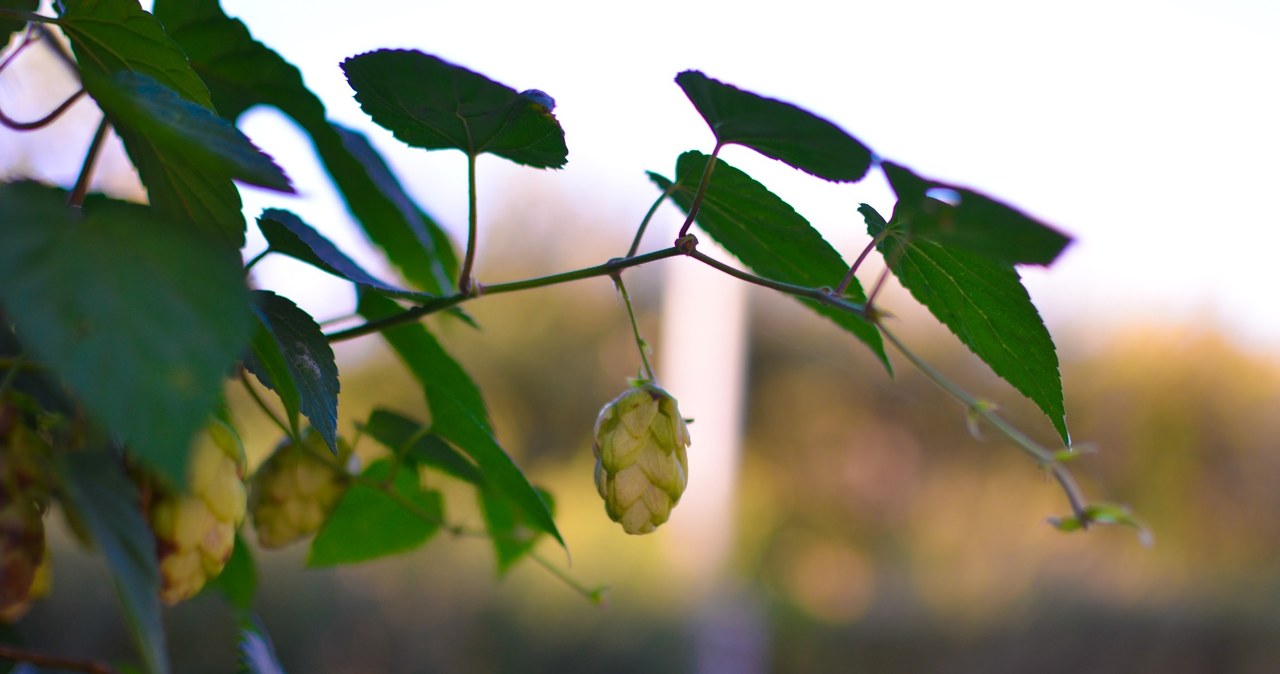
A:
{"x": 641, "y": 465}
{"x": 195, "y": 529}
{"x": 294, "y": 491}
{"x": 24, "y": 556}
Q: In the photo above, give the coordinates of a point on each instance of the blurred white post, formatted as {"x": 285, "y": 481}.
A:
{"x": 702, "y": 363}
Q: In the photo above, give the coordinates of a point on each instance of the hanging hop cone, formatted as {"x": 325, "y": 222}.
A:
{"x": 24, "y": 554}
{"x": 641, "y": 464}
{"x": 195, "y": 529}
{"x": 294, "y": 491}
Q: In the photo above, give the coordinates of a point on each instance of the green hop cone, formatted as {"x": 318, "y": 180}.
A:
{"x": 641, "y": 464}
{"x": 196, "y": 528}
{"x": 24, "y": 554}
{"x": 294, "y": 490}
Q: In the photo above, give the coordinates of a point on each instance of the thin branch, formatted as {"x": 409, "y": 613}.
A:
{"x": 635, "y": 327}
{"x": 644, "y": 224}
{"x": 262, "y": 404}
{"x": 45, "y": 661}
{"x": 824, "y": 295}
{"x": 27, "y": 38}
{"x": 10, "y": 123}
{"x": 81, "y": 190}
{"x": 700, "y": 194}
{"x": 465, "y": 283}
{"x": 853, "y": 269}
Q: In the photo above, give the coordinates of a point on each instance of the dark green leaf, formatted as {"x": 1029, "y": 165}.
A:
{"x": 109, "y": 36}
{"x": 984, "y": 304}
{"x": 175, "y": 125}
{"x": 776, "y": 129}
{"x": 238, "y": 581}
{"x": 257, "y": 653}
{"x": 242, "y": 72}
{"x": 142, "y": 319}
{"x": 512, "y": 538}
{"x": 106, "y": 502}
{"x": 287, "y": 234}
{"x": 963, "y": 218}
{"x": 768, "y": 235}
{"x": 457, "y": 411}
{"x": 10, "y": 26}
{"x": 418, "y": 446}
{"x": 368, "y": 523}
{"x": 308, "y": 361}
{"x": 433, "y": 104}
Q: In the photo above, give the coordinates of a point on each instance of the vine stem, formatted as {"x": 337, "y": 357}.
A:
{"x": 701, "y": 193}
{"x": 262, "y": 404}
{"x": 644, "y": 224}
{"x": 635, "y": 327}
{"x": 81, "y": 190}
{"x": 10, "y": 123}
{"x": 43, "y": 660}
{"x": 465, "y": 283}
{"x": 1035, "y": 450}
{"x": 853, "y": 269}
{"x": 823, "y": 295}
{"x": 595, "y": 596}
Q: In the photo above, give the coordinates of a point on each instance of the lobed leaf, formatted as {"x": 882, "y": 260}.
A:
{"x": 404, "y": 521}
{"x": 458, "y": 412}
{"x": 292, "y": 357}
{"x": 242, "y": 72}
{"x": 984, "y": 304}
{"x": 769, "y": 236}
{"x": 96, "y": 489}
{"x": 974, "y": 221}
{"x": 776, "y": 129}
{"x": 430, "y": 103}
{"x": 140, "y": 318}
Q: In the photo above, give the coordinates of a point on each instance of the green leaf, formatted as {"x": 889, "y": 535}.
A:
{"x": 106, "y": 502}
{"x": 140, "y": 318}
{"x": 1104, "y": 513}
{"x": 511, "y": 535}
{"x": 418, "y": 446}
{"x": 287, "y": 234}
{"x": 963, "y": 218}
{"x": 242, "y": 72}
{"x": 767, "y": 235}
{"x": 985, "y": 305}
{"x": 309, "y": 368}
{"x": 174, "y": 125}
{"x": 10, "y": 26}
{"x": 457, "y": 411}
{"x": 109, "y": 36}
{"x": 433, "y": 104}
{"x": 776, "y": 129}
{"x": 238, "y": 581}
{"x": 369, "y": 523}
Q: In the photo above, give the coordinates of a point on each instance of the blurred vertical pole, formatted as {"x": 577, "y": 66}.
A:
{"x": 703, "y": 359}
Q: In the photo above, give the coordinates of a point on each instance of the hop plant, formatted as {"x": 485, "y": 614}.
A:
{"x": 24, "y": 555}
{"x": 195, "y": 528}
{"x": 294, "y": 491}
{"x": 641, "y": 465}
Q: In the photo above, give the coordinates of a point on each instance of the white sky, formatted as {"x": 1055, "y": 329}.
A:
{"x": 1146, "y": 129}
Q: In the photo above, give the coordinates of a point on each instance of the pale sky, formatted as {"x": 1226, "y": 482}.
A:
{"x": 1147, "y": 129}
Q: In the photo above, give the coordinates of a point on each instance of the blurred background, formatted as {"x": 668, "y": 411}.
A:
{"x": 837, "y": 519}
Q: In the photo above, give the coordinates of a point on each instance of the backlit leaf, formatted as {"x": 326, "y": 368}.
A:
{"x": 368, "y": 523}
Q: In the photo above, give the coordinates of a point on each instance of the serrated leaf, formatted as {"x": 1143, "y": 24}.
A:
{"x": 287, "y": 234}
{"x": 430, "y": 103}
{"x": 238, "y": 581}
{"x": 175, "y": 125}
{"x": 776, "y": 129}
{"x": 512, "y": 538}
{"x": 418, "y": 446}
{"x": 458, "y": 412}
{"x": 971, "y": 220}
{"x": 769, "y": 236}
{"x": 242, "y": 72}
{"x": 10, "y": 26}
{"x": 309, "y": 380}
{"x": 110, "y": 36}
{"x": 347, "y": 537}
{"x": 106, "y": 502}
{"x": 984, "y": 304}
{"x": 140, "y": 318}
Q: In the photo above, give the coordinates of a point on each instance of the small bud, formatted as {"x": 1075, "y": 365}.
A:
{"x": 641, "y": 465}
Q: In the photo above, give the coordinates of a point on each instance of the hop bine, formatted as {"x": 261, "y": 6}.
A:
{"x": 641, "y": 465}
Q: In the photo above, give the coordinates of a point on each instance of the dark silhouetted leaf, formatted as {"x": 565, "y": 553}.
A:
{"x": 309, "y": 367}
{"x": 96, "y": 489}
{"x": 776, "y": 129}
{"x": 433, "y": 104}
{"x": 963, "y": 218}
{"x": 140, "y": 318}
{"x": 368, "y": 524}
{"x": 242, "y": 72}
{"x": 287, "y": 234}
{"x": 458, "y": 412}
{"x": 10, "y": 26}
{"x": 418, "y": 446}
{"x": 768, "y": 236}
{"x": 984, "y": 304}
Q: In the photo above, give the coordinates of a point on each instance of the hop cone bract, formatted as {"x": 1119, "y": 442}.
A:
{"x": 641, "y": 464}
{"x": 293, "y": 492}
